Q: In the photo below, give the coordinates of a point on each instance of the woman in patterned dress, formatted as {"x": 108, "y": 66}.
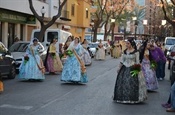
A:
{"x": 117, "y": 49}
{"x": 52, "y": 62}
{"x": 86, "y": 56}
{"x": 72, "y": 67}
{"x": 100, "y": 53}
{"x": 148, "y": 72}
{"x": 128, "y": 88}
{"x": 32, "y": 67}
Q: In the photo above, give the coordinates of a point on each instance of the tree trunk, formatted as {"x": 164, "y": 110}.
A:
{"x": 105, "y": 36}
{"x": 95, "y": 35}
{"x": 41, "y": 34}
{"x": 173, "y": 30}
{"x": 112, "y": 34}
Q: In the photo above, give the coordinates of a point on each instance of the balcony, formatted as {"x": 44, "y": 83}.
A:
{"x": 65, "y": 15}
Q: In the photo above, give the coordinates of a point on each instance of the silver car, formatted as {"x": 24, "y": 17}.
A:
{"x": 18, "y": 50}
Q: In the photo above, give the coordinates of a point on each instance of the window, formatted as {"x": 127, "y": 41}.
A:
{"x": 87, "y": 12}
{"x": 73, "y": 9}
{"x": 51, "y": 35}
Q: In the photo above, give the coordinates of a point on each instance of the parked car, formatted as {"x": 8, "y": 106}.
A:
{"x": 7, "y": 63}
{"x": 18, "y": 50}
{"x": 169, "y": 42}
{"x": 170, "y": 54}
{"x": 172, "y": 69}
{"x": 92, "y": 48}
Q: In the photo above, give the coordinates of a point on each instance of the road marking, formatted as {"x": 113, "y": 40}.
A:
{"x": 16, "y": 107}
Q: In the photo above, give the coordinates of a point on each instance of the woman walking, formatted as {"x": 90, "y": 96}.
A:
{"x": 148, "y": 68}
{"x": 74, "y": 69}
{"x": 86, "y": 58}
{"x": 32, "y": 67}
{"x": 130, "y": 87}
{"x": 117, "y": 49}
{"x": 52, "y": 62}
{"x": 100, "y": 53}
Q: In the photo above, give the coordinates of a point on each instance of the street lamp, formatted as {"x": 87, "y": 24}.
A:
{"x": 145, "y": 22}
{"x": 92, "y": 28}
{"x": 43, "y": 11}
{"x": 135, "y": 19}
{"x": 163, "y": 24}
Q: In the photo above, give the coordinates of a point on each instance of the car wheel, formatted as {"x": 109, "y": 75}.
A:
{"x": 12, "y": 72}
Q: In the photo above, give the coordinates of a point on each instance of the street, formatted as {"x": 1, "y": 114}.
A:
{"x": 52, "y": 97}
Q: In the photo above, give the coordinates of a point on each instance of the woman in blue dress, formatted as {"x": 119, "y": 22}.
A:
{"x": 72, "y": 70}
{"x": 32, "y": 67}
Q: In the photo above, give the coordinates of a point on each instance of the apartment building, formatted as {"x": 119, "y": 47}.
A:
{"x": 17, "y": 20}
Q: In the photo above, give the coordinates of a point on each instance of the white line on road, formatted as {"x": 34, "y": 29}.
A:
{"x": 16, "y": 107}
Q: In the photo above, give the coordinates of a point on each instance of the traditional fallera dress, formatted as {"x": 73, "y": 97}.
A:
{"x": 149, "y": 73}
{"x": 33, "y": 68}
{"x": 53, "y": 62}
{"x": 72, "y": 68}
{"x": 86, "y": 58}
{"x": 100, "y": 53}
{"x": 117, "y": 50}
{"x": 128, "y": 88}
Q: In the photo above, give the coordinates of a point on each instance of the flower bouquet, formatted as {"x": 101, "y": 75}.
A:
{"x": 153, "y": 64}
{"x": 53, "y": 55}
{"x": 26, "y": 59}
{"x": 69, "y": 53}
{"x": 135, "y": 69}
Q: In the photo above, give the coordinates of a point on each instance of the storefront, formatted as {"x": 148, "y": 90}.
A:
{"x": 14, "y": 24}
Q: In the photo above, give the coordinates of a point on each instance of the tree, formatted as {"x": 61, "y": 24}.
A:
{"x": 98, "y": 16}
{"x": 169, "y": 12}
{"x": 41, "y": 19}
{"x": 113, "y": 11}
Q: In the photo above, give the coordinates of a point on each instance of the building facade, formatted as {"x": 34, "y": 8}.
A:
{"x": 17, "y": 20}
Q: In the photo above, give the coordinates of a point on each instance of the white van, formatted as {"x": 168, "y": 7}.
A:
{"x": 169, "y": 41}
{"x": 50, "y": 34}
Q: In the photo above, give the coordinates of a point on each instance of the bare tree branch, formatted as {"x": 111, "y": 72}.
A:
{"x": 34, "y": 12}
{"x": 165, "y": 14}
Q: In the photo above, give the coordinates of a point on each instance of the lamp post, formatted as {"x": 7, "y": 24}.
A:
{"x": 163, "y": 24}
{"x": 113, "y": 26}
{"x": 92, "y": 29}
{"x": 43, "y": 11}
{"x": 135, "y": 23}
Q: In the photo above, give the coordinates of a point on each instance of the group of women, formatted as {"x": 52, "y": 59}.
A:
{"x": 136, "y": 74}
{"x": 73, "y": 67}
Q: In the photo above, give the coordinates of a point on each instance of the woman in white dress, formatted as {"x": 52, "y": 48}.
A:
{"x": 100, "y": 53}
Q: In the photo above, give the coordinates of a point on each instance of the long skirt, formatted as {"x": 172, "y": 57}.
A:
{"x": 72, "y": 71}
{"x": 116, "y": 52}
{"x": 30, "y": 70}
{"x": 129, "y": 89}
{"x": 150, "y": 75}
{"x": 100, "y": 54}
{"x": 86, "y": 58}
{"x": 54, "y": 64}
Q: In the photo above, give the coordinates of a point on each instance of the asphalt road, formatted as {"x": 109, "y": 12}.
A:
{"x": 52, "y": 97}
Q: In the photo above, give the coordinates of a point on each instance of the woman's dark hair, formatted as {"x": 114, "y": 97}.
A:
{"x": 77, "y": 38}
{"x": 83, "y": 41}
{"x": 35, "y": 40}
{"x": 65, "y": 45}
{"x": 133, "y": 44}
{"x": 142, "y": 50}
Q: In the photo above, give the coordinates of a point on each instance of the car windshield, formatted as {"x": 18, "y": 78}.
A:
{"x": 170, "y": 42}
{"x": 93, "y": 45}
{"x": 18, "y": 47}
